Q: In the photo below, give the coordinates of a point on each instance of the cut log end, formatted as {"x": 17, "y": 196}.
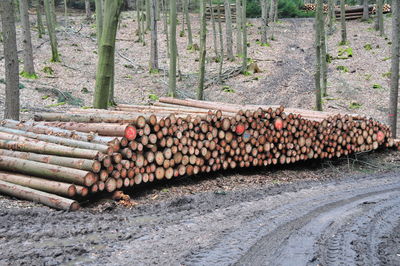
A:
{"x": 130, "y": 133}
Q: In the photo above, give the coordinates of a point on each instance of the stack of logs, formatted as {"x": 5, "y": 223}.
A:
{"x": 220, "y": 9}
{"x": 351, "y": 12}
{"x": 86, "y": 151}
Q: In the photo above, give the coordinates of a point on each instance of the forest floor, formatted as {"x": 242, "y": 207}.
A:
{"x": 224, "y": 217}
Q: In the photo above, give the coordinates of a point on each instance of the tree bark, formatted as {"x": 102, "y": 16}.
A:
{"x": 394, "y": 77}
{"x": 324, "y": 79}
{"x": 379, "y": 17}
{"x": 172, "y": 49}
{"x": 54, "y": 172}
{"x": 221, "y": 45}
{"x": 106, "y": 53}
{"x": 244, "y": 32}
{"x": 228, "y": 25}
{"x": 239, "y": 41}
{"x": 264, "y": 21}
{"x": 38, "y": 8}
{"x": 271, "y": 17}
{"x": 47, "y": 199}
{"x": 331, "y": 16}
{"x": 148, "y": 14}
{"x": 189, "y": 27}
{"x": 153, "y": 42}
{"x": 99, "y": 21}
{"x": 365, "y": 10}
{"x": 203, "y": 36}
{"x": 11, "y": 110}
{"x": 214, "y": 31}
{"x": 165, "y": 16}
{"x": 343, "y": 22}
{"x": 318, "y": 21}
{"x": 65, "y": 12}
{"x": 87, "y": 10}
{"x": 27, "y": 41}
{"x": 51, "y": 30}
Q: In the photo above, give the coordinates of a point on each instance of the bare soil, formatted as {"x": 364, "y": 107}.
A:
{"x": 322, "y": 212}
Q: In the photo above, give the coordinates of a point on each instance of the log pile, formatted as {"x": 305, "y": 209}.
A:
{"x": 85, "y": 151}
{"x": 221, "y": 8}
{"x": 351, "y": 12}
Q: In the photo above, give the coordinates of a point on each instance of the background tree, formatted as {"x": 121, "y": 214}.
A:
{"x": 55, "y": 57}
{"x": 221, "y": 46}
{"x": 172, "y": 49}
{"x": 11, "y": 110}
{"x": 189, "y": 26}
{"x": 318, "y": 22}
{"x": 394, "y": 77}
{"x": 112, "y": 10}
{"x": 343, "y": 22}
{"x": 228, "y": 27}
{"x": 165, "y": 11}
{"x": 214, "y": 31}
{"x": 271, "y": 17}
{"x": 379, "y": 17}
{"x": 148, "y": 15}
{"x": 203, "y": 36}
{"x": 244, "y": 33}
{"x": 264, "y": 20}
{"x": 40, "y": 27}
{"x": 29, "y": 68}
{"x": 239, "y": 41}
{"x": 365, "y": 10}
{"x": 99, "y": 20}
{"x": 324, "y": 78}
{"x": 331, "y": 16}
{"x": 88, "y": 10}
{"x": 153, "y": 42}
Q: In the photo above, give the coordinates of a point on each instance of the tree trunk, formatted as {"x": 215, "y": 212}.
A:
{"x": 165, "y": 11}
{"x": 379, "y": 17}
{"x": 65, "y": 12}
{"x": 189, "y": 27}
{"x": 47, "y": 199}
{"x": 203, "y": 36}
{"x": 264, "y": 21}
{"x": 172, "y": 49}
{"x": 394, "y": 77}
{"x": 244, "y": 32}
{"x": 214, "y": 31}
{"x": 11, "y": 110}
{"x": 323, "y": 57}
{"x": 221, "y": 42}
{"x": 53, "y": 12}
{"x": 331, "y": 16}
{"x": 99, "y": 21}
{"x": 365, "y": 10}
{"x": 153, "y": 43}
{"x": 38, "y": 8}
{"x": 148, "y": 14}
{"x": 87, "y": 10}
{"x": 343, "y": 23}
{"x": 51, "y": 30}
{"x": 106, "y": 53}
{"x": 239, "y": 41}
{"x": 271, "y": 17}
{"x": 29, "y": 68}
{"x": 228, "y": 25}
{"x": 55, "y": 172}
{"x": 317, "y": 26}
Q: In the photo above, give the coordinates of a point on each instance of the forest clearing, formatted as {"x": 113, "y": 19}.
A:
{"x": 168, "y": 174}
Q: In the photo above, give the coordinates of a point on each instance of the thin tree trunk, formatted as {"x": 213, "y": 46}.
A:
{"x": 65, "y": 12}
{"x": 229, "y": 39}
{"x": 148, "y": 15}
{"x": 331, "y": 16}
{"x": 11, "y": 110}
{"x": 394, "y": 77}
{"x": 221, "y": 42}
{"x": 143, "y": 21}
{"x": 51, "y": 30}
{"x": 106, "y": 53}
{"x": 99, "y": 20}
{"x": 40, "y": 26}
{"x": 53, "y": 12}
{"x": 244, "y": 31}
{"x": 87, "y": 10}
{"x": 318, "y": 21}
{"x": 379, "y": 17}
{"x": 343, "y": 22}
{"x": 264, "y": 21}
{"x": 214, "y": 30}
{"x": 276, "y": 10}
{"x": 164, "y": 7}
{"x": 139, "y": 34}
{"x": 239, "y": 41}
{"x": 324, "y": 81}
{"x": 28, "y": 53}
{"x": 153, "y": 43}
{"x": 271, "y": 17}
{"x": 182, "y": 33}
{"x": 189, "y": 27}
{"x": 173, "y": 49}
{"x": 365, "y": 10}
{"x": 203, "y": 36}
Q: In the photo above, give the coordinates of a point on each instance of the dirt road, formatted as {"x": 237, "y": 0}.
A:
{"x": 350, "y": 221}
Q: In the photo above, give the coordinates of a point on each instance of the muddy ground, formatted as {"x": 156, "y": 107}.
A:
{"x": 329, "y": 212}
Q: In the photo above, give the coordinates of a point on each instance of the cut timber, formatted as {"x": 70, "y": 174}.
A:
{"x": 57, "y": 140}
{"x": 41, "y": 129}
{"x": 55, "y": 172}
{"x": 45, "y": 198}
{"x": 82, "y": 164}
{"x": 48, "y": 148}
{"x": 59, "y": 188}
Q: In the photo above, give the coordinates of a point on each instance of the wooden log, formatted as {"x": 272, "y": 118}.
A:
{"x": 82, "y": 164}
{"x": 55, "y": 172}
{"x": 45, "y": 198}
{"x": 54, "y": 187}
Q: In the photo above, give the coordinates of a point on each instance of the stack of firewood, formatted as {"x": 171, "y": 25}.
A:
{"x": 85, "y": 151}
{"x": 351, "y": 12}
